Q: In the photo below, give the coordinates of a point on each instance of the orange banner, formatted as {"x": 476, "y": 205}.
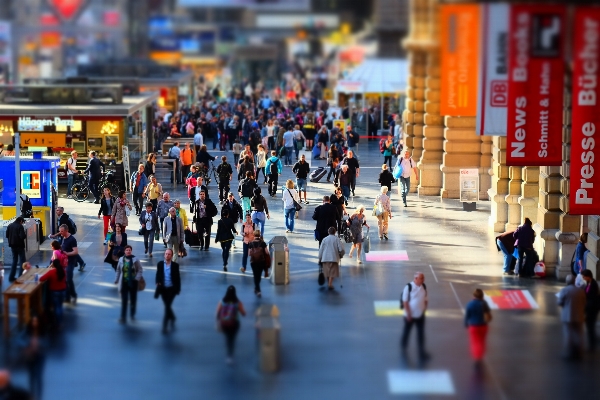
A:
{"x": 460, "y": 25}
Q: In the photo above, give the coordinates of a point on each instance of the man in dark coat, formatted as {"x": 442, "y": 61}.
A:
{"x": 15, "y": 234}
{"x": 205, "y": 211}
{"x": 168, "y": 285}
{"x": 94, "y": 169}
{"x": 326, "y": 215}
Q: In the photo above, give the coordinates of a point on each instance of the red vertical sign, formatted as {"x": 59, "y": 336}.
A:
{"x": 585, "y": 121}
{"x": 536, "y": 79}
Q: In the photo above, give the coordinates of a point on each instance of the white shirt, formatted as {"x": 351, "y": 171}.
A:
{"x": 418, "y": 298}
{"x": 71, "y": 161}
{"x": 288, "y": 199}
{"x": 149, "y": 222}
{"x": 168, "y": 281}
{"x": 407, "y": 166}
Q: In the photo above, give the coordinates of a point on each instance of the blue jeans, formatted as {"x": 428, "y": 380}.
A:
{"x": 301, "y": 184}
{"x": 507, "y": 256}
{"x": 149, "y": 240}
{"x": 259, "y": 217}
{"x": 244, "y": 255}
{"x": 290, "y": 214}
{"x": 70, "y": 179}
{"x": 58, "y": 296}
{"x": 345, "y": 191}
{"x": 405, "y": 182}
{"x": 288, "y": 155}
{"x": 18, "y": 254}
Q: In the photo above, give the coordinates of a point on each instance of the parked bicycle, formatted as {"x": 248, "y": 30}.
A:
{"x": 81, "y": 189}
{"x": 208, "y": 173}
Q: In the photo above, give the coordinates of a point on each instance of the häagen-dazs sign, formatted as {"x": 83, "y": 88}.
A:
{"x": 28, "y": 124}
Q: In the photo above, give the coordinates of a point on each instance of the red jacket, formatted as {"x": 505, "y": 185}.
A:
{"x": 55, "y": 284}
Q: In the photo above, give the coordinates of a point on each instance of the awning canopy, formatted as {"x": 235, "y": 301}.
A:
{"x": 376, "y": 76}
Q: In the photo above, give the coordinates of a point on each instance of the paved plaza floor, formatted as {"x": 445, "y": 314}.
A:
{"x": 341, "y": 344}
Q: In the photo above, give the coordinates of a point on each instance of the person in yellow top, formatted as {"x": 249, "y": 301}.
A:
{"x": 181, "y": 213}
{"x": 187, "y": 157}
{"x": 153, "y": 192}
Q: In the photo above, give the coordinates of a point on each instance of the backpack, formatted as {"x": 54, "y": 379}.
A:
{"x": 247, "y": 188}
{"x": 273, "y": 169}
{"x": 64, "y": 259}
{"x": 355, "y": 137}
{"x": 26, "y": 207}
{"x": 409, "y": 289}
{"x": 228, "y": 314}
{"x": 256, "y": 253}
{"x": 72, "y": 226}
{"x": 382, "y": 146}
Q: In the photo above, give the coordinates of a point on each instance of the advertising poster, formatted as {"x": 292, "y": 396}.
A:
{"x": 585, "y": 117}
{"x": 510, "y": 300}
{"x": 460, "y": 53}
{"x": 31, "y": 184}
{"x": 535, "y": 85}
{"x": 469, "y": 185}
{"x": 493, "y": 72}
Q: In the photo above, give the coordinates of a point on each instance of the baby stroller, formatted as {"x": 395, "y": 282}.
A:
{"x": 345, "y": 233}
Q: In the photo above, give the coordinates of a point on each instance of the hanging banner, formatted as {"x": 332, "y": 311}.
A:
{"x": 493, "y": 70}
{"x": 535, "y": 85}
{"x": 460, "y": 52}
{"x": 585, "y": 116}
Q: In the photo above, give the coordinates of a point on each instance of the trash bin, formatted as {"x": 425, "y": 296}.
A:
{"x": 267, "y": 337}
{"x": 280, "y": 260}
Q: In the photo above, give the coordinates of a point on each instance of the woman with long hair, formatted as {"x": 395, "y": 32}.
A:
{"x": 289, "y": 195}
{"x": 116, "y": 246}
{"x": 150, "y": 166}
{"x": 226, "y": 235}
{"x": 261, "y": 162}
{"x": 228, "y": 319}
{"x": 260, "y": 209}
{"x": 57, "y": 278}
{"x": 356, "y": 222}
{"x": 119, "y": 210}
{"x": 106, "y": 206}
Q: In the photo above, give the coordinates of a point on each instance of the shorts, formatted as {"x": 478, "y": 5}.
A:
{"x": 301, "y": 183}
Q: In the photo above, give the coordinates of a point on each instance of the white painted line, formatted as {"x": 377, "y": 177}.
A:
{"x": 436, "y": 279}
{"x": 457, "y": 298}
{"x": 421, "y": 382}
{"x": 529, "y": 297}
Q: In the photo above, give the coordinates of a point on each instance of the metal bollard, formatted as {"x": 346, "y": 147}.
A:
{"x": 267, "y": 338}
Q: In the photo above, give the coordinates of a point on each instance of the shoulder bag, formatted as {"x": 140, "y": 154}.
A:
{"x": 141, "y": 284}
{"x": 297, "y": 205}
{"x": 321, "y": 279}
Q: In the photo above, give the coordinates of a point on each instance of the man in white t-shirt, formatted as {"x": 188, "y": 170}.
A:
{"x": 71, "y": 171}
{"x": 408, "y": 165}
{"x": 414, "y": 299}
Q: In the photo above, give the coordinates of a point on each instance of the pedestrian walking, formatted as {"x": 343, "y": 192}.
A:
{"x": 246, "y": 191}
{"x": 353, "y": 168}
{"x": 228, "y": 319}
{"x": 188, "y": 157}
{"x": 154, "y": 192}
{"x": 301, "y": 169}
{"x": 62, "y": 218}
{"x": 225, "y": 174}
{"x": 273, "y": 169}
{"x": 150, "y": 166}
{"x": 225, "y": 235}
{"x": 261, "y": 162}
{"x": 259, "y": 260}
{"x": 572, "y": 300}
{"x": 408, "y": 166}
{"x": 260, "y": 210}
{"x": 149, "y": 226}
{"x": 105, "y": 212}
{"x": 288, "y": 143}
{"x": 505, "y": 243}
{"x": 116, "y": 246}
{"x": 175, "y": 154}
{"x": 139, "y": 181}
{"x": 326, "y": 215}
{"x": 94, "y": 170}
{"x": 331, "y": 252}
{"x": 119, "y": 214}
{"x": 337, "y": 199}
{"x": 343, "y": 179}
{"x": 414, "y": 302}
{"x": 69, "y": 246}
{"x": 383, "y": 212}
{"x": 15, "y": 234}
{"x": 164, "y": 205}
{"x": 524, "y": 237}
{"x": 592, "y": 305}
{"x": 386, "y": 178}
{"x": 128, "y": 275}
{"x": 205, "y": 212}
{"x": 580, "y": 261}
{"x": 71, "y": 172}
{"x": 388, "y": 150}
{"x": 356, "y": 221}
{"x": 477, "y": 317}
{"x": 289, "y": 196}
{"x": 173, "y": 232}
{"x": 168, "y": 285}
{"x": 247, "y": 232}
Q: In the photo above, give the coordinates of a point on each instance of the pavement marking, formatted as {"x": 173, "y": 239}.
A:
{"x": 436, "y": 279}
{"x": 510, "y": 300}
{"x": 394, "y": 255}
{"x": 457, "y": 298}
{"x": 420, "y": 382}
{"x": 388, "y": 308}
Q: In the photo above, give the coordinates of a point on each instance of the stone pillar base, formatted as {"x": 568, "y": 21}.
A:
{"x": 451, "y": 182}
{"x": 499, "y": 210}
{"x": 567, "y": 244}
{"x": 485, "y": 183}
{"x": 547, "y": 247}
{"x": 430, "y": 180}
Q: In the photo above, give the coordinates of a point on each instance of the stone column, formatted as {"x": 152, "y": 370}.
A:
{"x": 512, "y": 198}
{"x": 430, "y": 179}
{"x": 485, "y": 165}
{"x": 593, "y": 244}
{"x": 462, "y": 148}
{"x": 530, "y": 192}
{"x": 499, "y": 189}
{"x": 548, "y": 217}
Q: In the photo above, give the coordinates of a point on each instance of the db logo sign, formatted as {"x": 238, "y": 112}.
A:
{"x": 499, "y": 94}
{"x": 31, "y": 182}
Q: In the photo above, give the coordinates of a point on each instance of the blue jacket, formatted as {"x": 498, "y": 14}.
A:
{"x": 143, "y": 181}
{"x": 272, "y": 160}
{"x": 474, "y": 312}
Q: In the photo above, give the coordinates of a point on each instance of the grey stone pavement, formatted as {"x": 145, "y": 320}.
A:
{"x": 333, "y": 344}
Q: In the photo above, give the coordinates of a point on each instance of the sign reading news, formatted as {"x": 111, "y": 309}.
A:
{"x": 31, "y": 182}
{"x": 28, "y": 124}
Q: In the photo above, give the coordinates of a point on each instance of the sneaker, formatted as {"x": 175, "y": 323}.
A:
{"x": 150, "y": 255}
{"x": 69, "y": 197}
{"x": 385, "y": 236}
{"x": 509, "y": 273}
{"x": 146, "y": 251}
{"x": 225, "y": 268}
{"x": 405, "y": 205}
{"x": 380, "y": 237}
{"x": 242, "y": 270}
{"x": 305, "y": 202}
{"x": 287, "y": 231}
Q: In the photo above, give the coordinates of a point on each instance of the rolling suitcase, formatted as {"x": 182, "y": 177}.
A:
{"x": 317, "y": 174}
{"x": 192, "y": 238}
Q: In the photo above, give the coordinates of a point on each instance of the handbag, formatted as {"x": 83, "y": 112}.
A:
{"x": 156, "y": 234}
{"x": 141, "y": 231}
{"x": 397, "y": 172}
{"x": 297, "y": 205}
{"x": 127, "y": 210}
{"x": 141, "y": 284}
{"x": 378, "y": 209}
{"x": 321, "y": 279}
